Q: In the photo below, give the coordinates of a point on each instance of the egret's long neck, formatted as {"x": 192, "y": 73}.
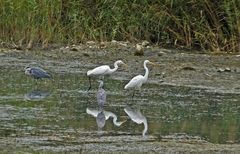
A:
{"x": 92, "y": 112}
{"x": 146, "y": 72}
{"x": 115, "y": 120}
{"x": 100, "y": 85}
{"x": 145, "y": 127}
{"x": 115, "y": 68}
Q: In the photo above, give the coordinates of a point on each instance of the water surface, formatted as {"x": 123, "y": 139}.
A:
{"x": 52, "y": 114}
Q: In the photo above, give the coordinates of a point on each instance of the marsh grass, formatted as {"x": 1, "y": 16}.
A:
{"x": 189, "y": 24}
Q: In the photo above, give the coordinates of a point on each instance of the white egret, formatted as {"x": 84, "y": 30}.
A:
{"x": 137, "y": 81}
{"x": 103, "y": 70}
{"x": 137, "y": 117}
{"x": 107, "y": 114}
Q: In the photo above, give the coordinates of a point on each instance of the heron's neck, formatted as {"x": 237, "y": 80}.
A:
{"x": 145, "y": 127}
{"x": 146, "y": 72}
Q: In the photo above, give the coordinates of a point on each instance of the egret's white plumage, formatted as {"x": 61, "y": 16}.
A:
{"x": 104, "y": 69}
{"x": 137, "y": 117}
{"x": 138, "y": 80}
{"x": 107, "y": 114}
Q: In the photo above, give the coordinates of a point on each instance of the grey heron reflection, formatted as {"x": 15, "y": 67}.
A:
{"x": 101, "y": 120}
{"x": 36, "y": 95}
{"x": 137, "y": 117}
{"x": 107, "y": 114}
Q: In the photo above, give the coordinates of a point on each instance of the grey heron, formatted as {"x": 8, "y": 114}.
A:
{"x": 137, "y": 117}
{"x": 37, "y": 73}
{"x": 103, "y": 70}
{"x": 101, "y": 95}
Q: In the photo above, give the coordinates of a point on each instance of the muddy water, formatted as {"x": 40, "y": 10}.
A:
{"x": 60, "y": 115}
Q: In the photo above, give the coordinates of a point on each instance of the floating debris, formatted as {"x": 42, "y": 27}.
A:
{"x": 86, "y": 54}
{"x": 188, "y": 68}
{"x": 161, "y": 53}
{"x": 139, "y": 50}
{"x": 73, "y": 49}
{"x": 145, "y": 43}
{"x": 227, "y": 69}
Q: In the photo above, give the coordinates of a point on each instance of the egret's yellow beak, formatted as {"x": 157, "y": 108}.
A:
{"x": 124, "y": 121}
{"x": 154, "y": 64}
{"x": 125, "y": 66}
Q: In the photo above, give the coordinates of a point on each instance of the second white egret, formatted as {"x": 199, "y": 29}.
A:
{"x": 137, "y": 81}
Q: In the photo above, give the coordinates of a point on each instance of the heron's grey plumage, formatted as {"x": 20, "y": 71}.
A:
{"x": 101, "y": 95}
{"x": 37, "y": 73}
{"x": 101, "y": 120}
{"x": 36, "y": 95}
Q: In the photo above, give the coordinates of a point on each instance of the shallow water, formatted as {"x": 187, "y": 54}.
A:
{"x": 52, "y": 114}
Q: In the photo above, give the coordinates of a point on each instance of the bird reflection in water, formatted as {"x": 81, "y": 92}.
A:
{"x": 107, "y": 114}
{"x": 101, "y": 120}
{"x": 36, "y": 95}
{"x": 100, "y": 114}
{"x": 137, "y": 117}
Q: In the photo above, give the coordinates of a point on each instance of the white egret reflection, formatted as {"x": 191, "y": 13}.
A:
{"x": 107, "y": 114}
{"x": 137, "y": 117}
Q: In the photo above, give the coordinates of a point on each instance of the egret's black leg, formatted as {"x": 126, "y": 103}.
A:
{"x": 90, "y": 86}
{"x": 104, "y": 82}
{"x": 133, "y": 94}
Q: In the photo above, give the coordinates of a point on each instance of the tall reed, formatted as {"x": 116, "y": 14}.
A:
{"x": 190, "y": 24}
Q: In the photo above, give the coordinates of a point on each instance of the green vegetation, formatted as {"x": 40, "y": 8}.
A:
{"x": 199, "y": 24}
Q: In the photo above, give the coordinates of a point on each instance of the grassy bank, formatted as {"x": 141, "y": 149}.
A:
{"x": 203, "y": 24}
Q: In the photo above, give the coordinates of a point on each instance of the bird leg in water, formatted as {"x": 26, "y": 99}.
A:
{"x": 133, "y": 94}
{"x": 102, "y": 78}
{"x": 36, "y": 84}
{"x": 89, "y": 80}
